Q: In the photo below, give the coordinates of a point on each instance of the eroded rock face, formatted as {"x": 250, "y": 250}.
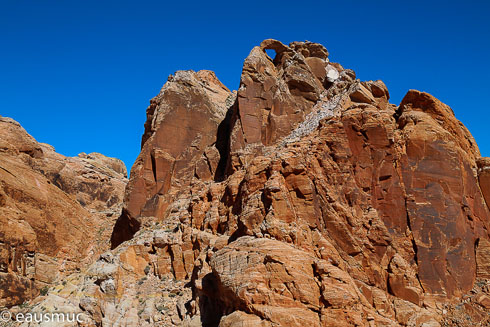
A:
{"x": 276, "y": 94}
{"x": 445, "y": 208}
{"x": 179, "y": 143}
{"x": 333, "y": 207}
{"x": 484, "y": 178}
{"x": 55, "y": 211}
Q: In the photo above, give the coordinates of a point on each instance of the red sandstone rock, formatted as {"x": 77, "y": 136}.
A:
{"x": 275, "y": 95}
{"x": 333, "y": 207}
{"x": 444, "y": 204}
{"x": 54, "y": 211}
{"x": 482, "y": 253}
{"x": 484, "y": 178}
{"x": 178, "y": 143}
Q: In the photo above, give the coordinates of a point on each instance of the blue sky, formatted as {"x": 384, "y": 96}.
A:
{"x": 79, "y": 74}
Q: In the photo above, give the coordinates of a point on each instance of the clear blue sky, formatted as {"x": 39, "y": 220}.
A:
{"x": 79, "y": 74}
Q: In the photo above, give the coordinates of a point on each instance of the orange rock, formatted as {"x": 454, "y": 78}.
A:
{"x": 309, "y": 200}
{"x": 181, "y": 127}
{"x": 275, "y": 95}
{"x": 484, "y": 301}
{"x": 483, "y": 258}
{"x": 445, "y": 208}
{"x": 484, "y": 178}
{"x": 54, "y": 211}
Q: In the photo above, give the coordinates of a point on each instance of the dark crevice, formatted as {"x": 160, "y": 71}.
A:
{"x": 388, "y": 287}
{"x": 238, "y": 233}
{"x": 475, "y": 247}
{"x": 299, "y": 194}
{"x": 8, "y": 172}
{"x": 223, "y": 143}
{"x": 153, "y": 166}
{"x": 57, "y": 181}
{"x": 269, "y": 259}
{"x": 149, "y": 118}
{"x": 414, "y": 244}
{"x": 384, "y": 178}
{"x": 266, "y": 198}
{"x": 124, "y": 229}
{"x": 236, "y": 210}
{"x": 398, "y": 113}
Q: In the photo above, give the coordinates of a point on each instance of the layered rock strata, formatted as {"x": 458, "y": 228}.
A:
{"x": 56, "y": 212}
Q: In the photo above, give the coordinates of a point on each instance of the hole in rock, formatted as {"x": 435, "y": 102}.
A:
{"x": 271, "y": 53}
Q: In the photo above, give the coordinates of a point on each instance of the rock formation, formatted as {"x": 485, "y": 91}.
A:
{"x": 179, "y": 142}
{"x": 303, "y": 199}
{"x": 55, "y": 211}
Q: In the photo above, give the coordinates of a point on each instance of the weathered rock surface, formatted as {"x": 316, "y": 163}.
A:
{"x": 309, "y": 200}
{"x": 484, "y": 178}
{"x": 55, "y": 211}
{"x": 179, "y": 142}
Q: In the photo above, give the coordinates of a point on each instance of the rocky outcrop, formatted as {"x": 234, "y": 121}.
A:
{"x": 445, "y": 208}
{"x": 276, "y": 94}
{"x": 55, "y": 211}
{"x": 179, "y": 142}
{"x": 484, "y": 178}
{"x": 309, "y": 200}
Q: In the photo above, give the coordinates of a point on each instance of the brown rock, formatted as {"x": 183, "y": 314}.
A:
{"x": 483, "y": 258}
{"x": 55, "y": 211}
{"x": 275, "y": 96}
{"x": 484, "y": 301}
{"x": 333, "y": 207}
{"x": 445, "y": 208}
{"x": 403, "y": 281}
{"x": 181, "y": 127}
{"x": 484, "y": 178}
{"x": 241, "y": 319}
{"x": 255, "y": 269}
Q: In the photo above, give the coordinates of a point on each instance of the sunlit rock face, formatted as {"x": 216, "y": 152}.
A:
{"x": 303, "y": 199}
{"x": 179, "y": 143}
{"x": 56, "y": 212}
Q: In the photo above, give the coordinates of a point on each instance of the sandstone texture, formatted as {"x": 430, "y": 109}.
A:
{"x": 55, "y": 211}
{"x": 484, "y": 177}
{"x": 180, "y": 141}
{"x": 303, "y": 199}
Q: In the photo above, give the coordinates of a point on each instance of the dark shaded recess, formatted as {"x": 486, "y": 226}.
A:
{"x": 237, "y": 210}
{"x": 240, "y": 231}
{"x": 33, "y": 153}
{"x": 475, "y": 248}
{"x": 211, "y": 308}
{"x": 223, "y": 142}
{"x": 150, "y": 111}
{"x": 124, "y": 229}
{"x": 414, "y": 244}
{"x": 153, "y": 166}
{"x": 397, "y": 115}
{"x": 57, "y": 181}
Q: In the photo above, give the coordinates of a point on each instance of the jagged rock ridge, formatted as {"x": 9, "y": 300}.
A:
{"x": 303, "y": 199}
